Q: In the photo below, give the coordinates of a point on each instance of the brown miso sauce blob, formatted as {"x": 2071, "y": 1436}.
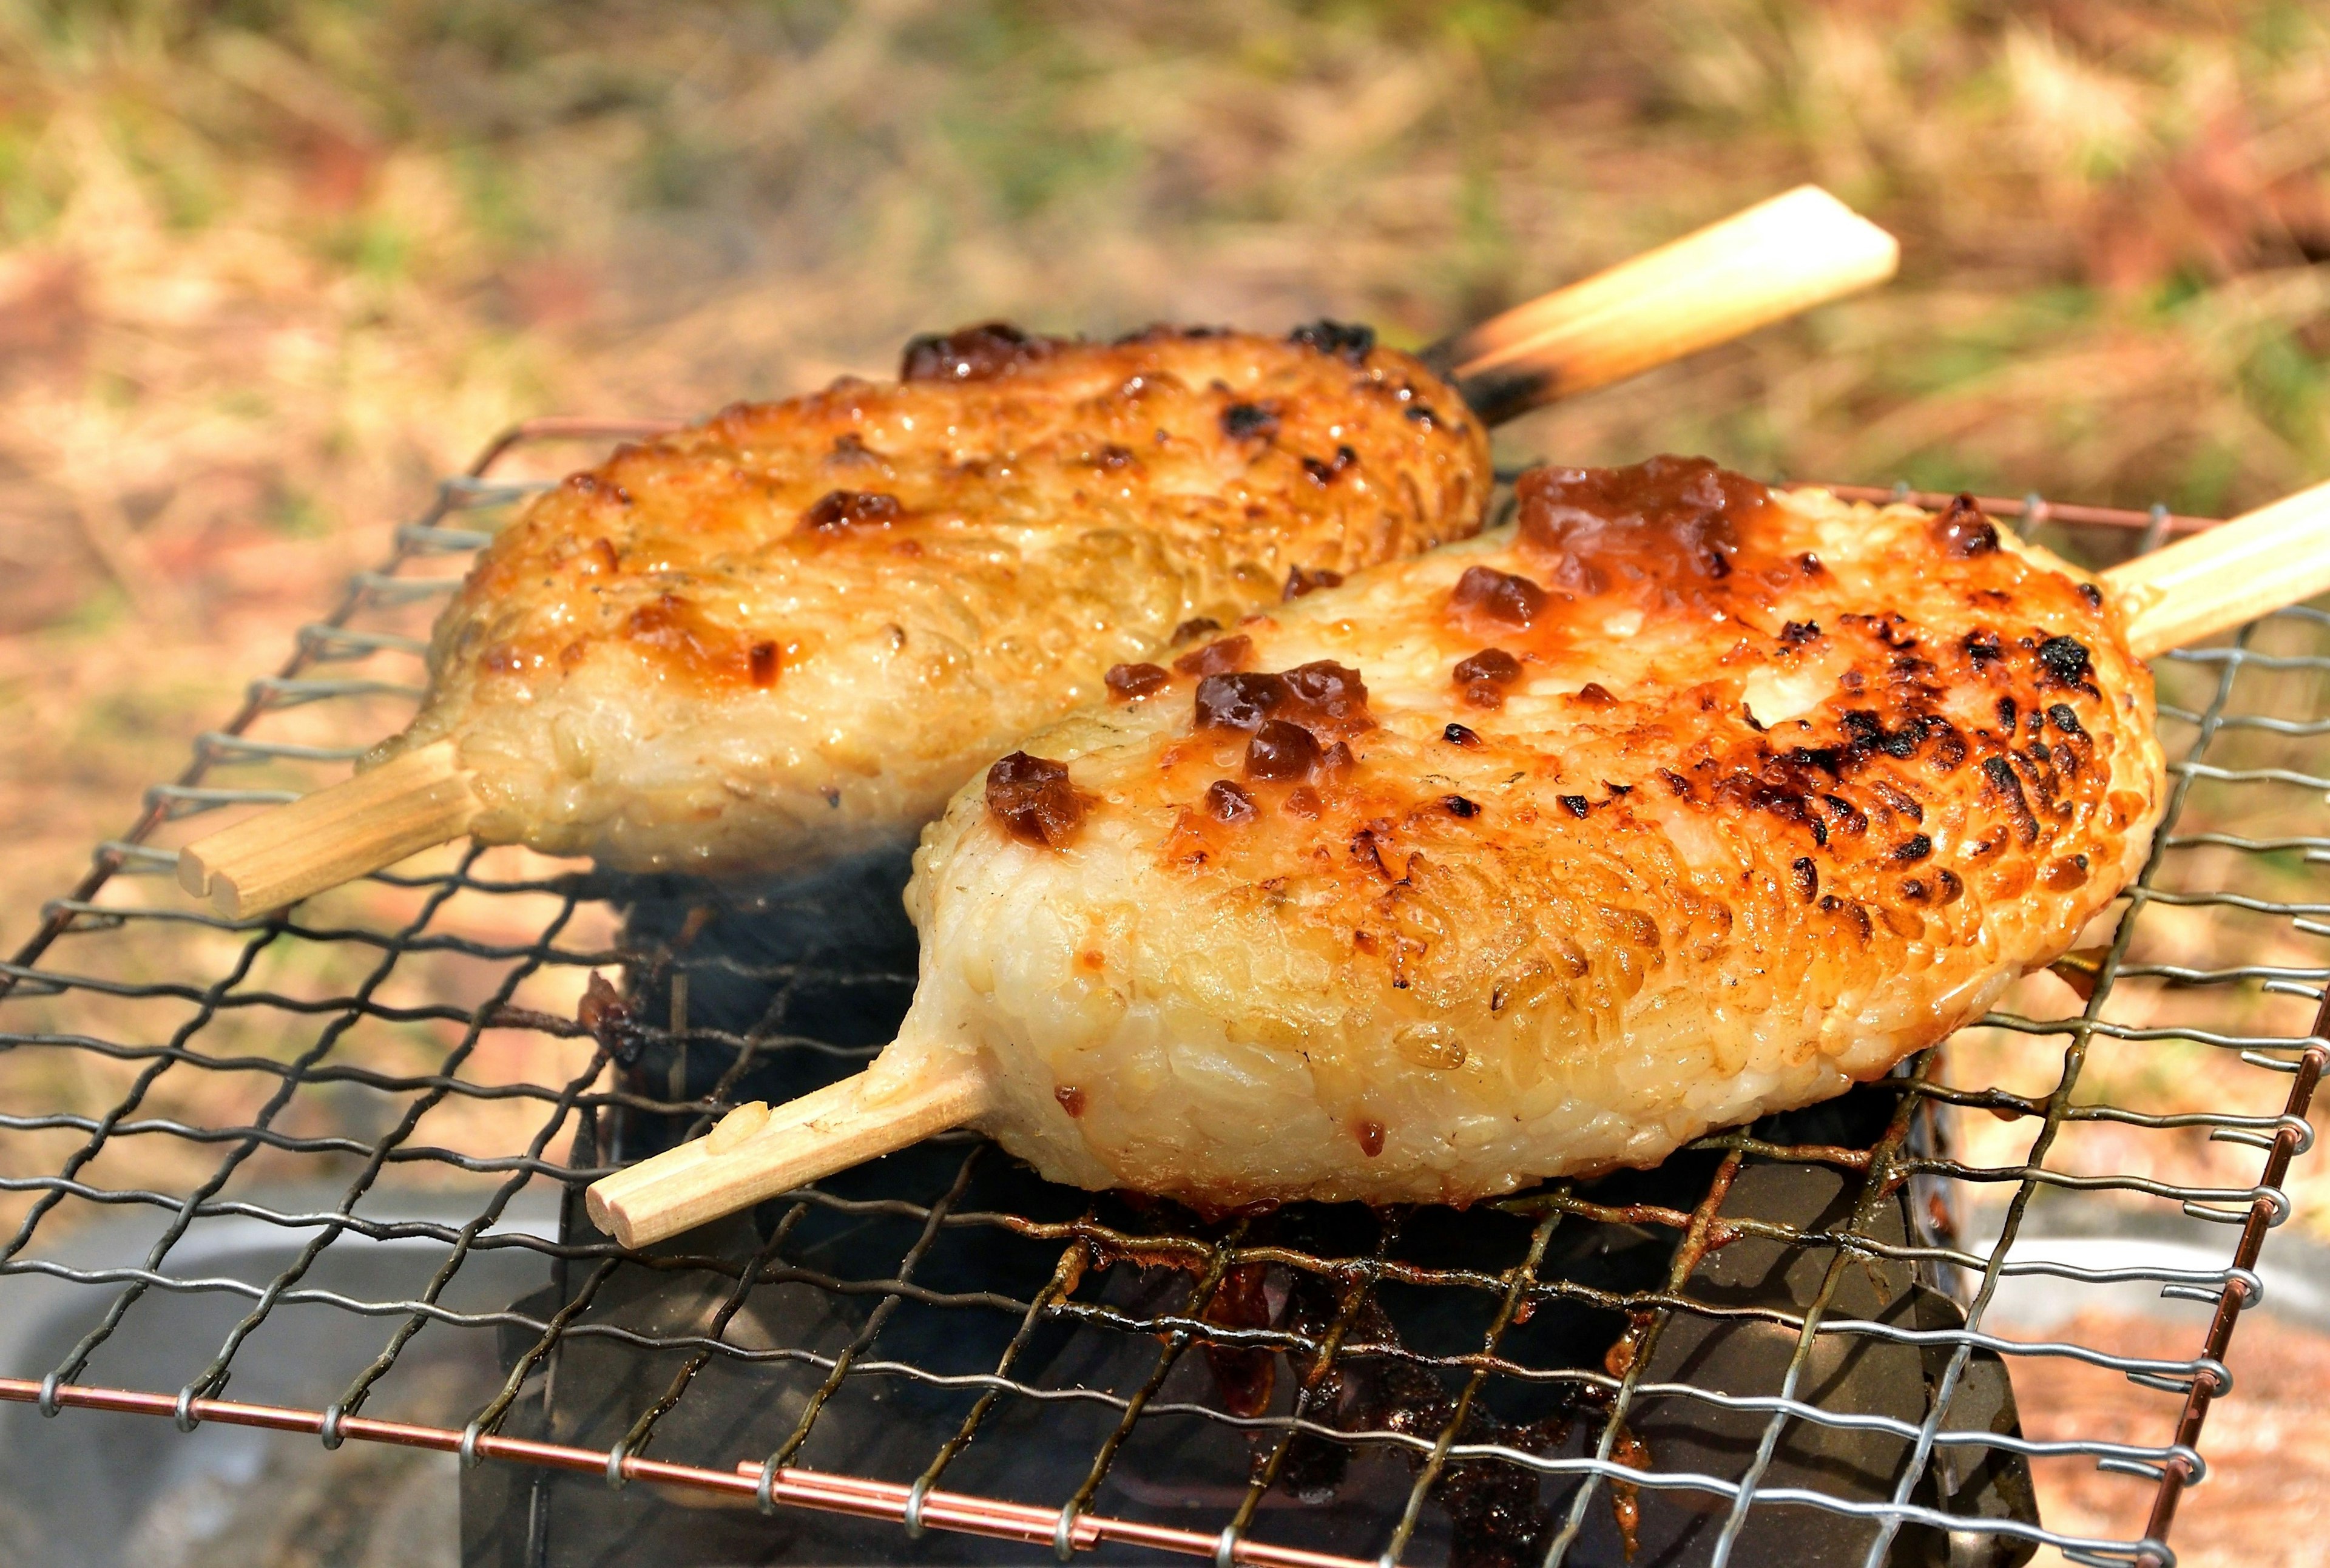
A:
{"x": 1485, "y": 593}
{"x": 1218, "y": 657}
{"x": 1964, "y": 532}
{"x": 1032, "y": 799}
{"x": 1370, "y": 1137}
{"x": 1227, "y": 804}
{"x": 1071, "y": 1098}
{"x": 1128, "y": 681}
{"x": 1322, "y": 694}
{"x": 1281, "y": 751}
{"x": 1300, "y": 581}
{"x": 1666, "y": 532}
{"x": 1483, "y": 676}
{"x": 851, "y": 511}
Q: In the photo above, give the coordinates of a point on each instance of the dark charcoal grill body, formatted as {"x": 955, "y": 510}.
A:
{"x": 748, "y": 997}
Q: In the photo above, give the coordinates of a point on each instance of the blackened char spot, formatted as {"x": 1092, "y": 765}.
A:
{"x": 1916, "y": 847}
{"x": 1327, "y": 473}
{"x": 2001, "y": 773}
{"x": 1806, "y": 875}
{"x": 1795, "y": 633}
{"x": 1241, "y": 421}
{"x": 1575, "y": 806}
{"x": 1351, "y": 341}
{"x": 1863, "y": 730}
{"x": 1458, "y": 735}
{"x": 2065, "y": 660}
{"x": 1949, "y": 746}
{"x": 979, "y": 353}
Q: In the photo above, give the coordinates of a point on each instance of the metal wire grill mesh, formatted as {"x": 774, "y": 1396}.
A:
{"x": 402, "y": 1086}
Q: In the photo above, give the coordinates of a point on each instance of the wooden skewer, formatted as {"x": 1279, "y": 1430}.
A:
{"x": 2213, "y": 582}
{"x": 1790, "y": 253}
{"x": 1782, "y": 256}
{"x": 753, "y": 1153}
{"x": 407, "y": 804}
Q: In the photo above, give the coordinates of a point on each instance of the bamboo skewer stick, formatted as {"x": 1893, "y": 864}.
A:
{"x": 753, "y": 1153}
{"x": 1779, "y": 257}
{"x": 2211, "y": 582}
{"x": 375, "y": 818}
{"x": 2227, "y": 576}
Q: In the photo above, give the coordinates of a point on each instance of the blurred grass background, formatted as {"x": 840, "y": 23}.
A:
{"x": 268, "y": 268}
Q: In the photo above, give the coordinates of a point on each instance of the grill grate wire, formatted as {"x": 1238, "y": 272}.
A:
{"x": 602, "y": 1094}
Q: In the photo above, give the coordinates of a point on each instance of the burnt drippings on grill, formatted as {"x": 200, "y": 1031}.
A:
{"x": 607, "y": 1018}
{"x": 1496, "y": 1510}
{"x": 979, "y": 353}
{"x": 1033, "y": 800}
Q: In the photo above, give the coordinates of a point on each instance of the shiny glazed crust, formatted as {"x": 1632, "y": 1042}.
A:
{"x": 1734, "y": 834}
{"x": 695, "y": 656}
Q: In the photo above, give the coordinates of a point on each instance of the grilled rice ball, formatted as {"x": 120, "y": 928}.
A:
{"x": 1682, "y": 802}
{"x": 791, "y": 632}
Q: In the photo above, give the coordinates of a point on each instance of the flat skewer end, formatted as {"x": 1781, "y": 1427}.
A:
{"x": 194, "y": 874}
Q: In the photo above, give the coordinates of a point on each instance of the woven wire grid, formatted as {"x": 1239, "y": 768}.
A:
{"x": 230, "y": 1080}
